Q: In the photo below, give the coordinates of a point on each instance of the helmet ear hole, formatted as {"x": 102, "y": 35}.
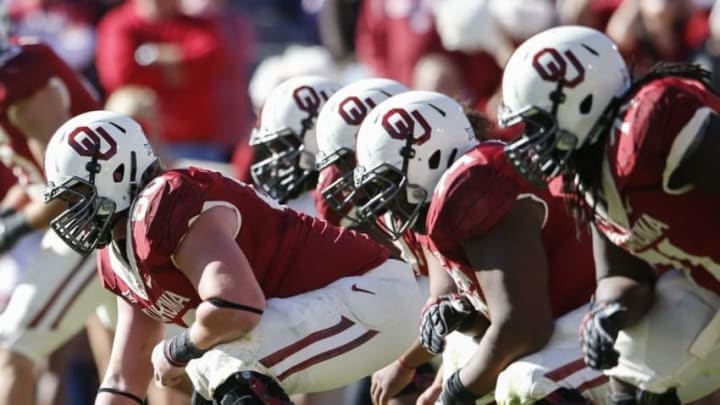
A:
{"x": 434, "y": 161}
{"x": 586, "y": 104}
{"x": 119, "y": 173}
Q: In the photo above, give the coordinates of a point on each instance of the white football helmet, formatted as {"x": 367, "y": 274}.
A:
{"x": 337, "y": 128}
{"x": 95, "y": 162}
{"x": 560, "y": 83}
{"x": 285, "y": 136}
{"x": 403, "y": 148}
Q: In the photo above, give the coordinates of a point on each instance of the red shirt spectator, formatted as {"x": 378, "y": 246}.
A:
{"x": 175, "y": 55}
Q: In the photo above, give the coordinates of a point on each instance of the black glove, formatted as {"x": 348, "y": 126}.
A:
{"x": 445, "y": 314}
{"x": 455, "y": 393}
{"x": 598, "y": 331}
{"x": 13, "y": 226}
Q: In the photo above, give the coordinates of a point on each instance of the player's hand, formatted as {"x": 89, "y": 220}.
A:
{"x": 13, "y": 226}
{"x": 431, "y": 393}
{"x": 389, "y": 381}
{"x": 164, "y": 373}
{"x": 598, "y": 331}
{"x": 443, "y": 315}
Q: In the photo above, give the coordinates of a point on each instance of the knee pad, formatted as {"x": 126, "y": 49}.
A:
{"x": 250, "y": 388}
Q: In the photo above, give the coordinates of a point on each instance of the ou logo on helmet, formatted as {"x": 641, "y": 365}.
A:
{"x": 88, "y": 142}
{"x": 553, "y": 67}
{"x": 353, "y": 110}
{"x": 400, "y": 124}
{"x": 308, "y": 99}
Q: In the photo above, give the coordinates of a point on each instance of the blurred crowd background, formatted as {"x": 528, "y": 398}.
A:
{"x": 195, "y": 72}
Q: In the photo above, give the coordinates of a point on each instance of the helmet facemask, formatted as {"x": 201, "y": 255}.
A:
{"x": 289, "y": 169}
{"x": 543, "y": 150}
{"x": 87, "y": 223}
{"x": 341, "y": 193}
{"x": 385, "y": 189}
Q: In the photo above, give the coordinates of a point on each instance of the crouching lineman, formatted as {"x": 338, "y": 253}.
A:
{"x": 641, "y": 161}
{"x": 520, "y": 272}
{"x": 275, "y": 302}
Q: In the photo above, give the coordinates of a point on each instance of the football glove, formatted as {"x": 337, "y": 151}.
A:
{"x": 598, "y": 331}
{"x": 443, "y": 315}
{"x": 13, "y": 226}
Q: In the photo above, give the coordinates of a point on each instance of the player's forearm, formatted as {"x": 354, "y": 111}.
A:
{"x": 415, "y": 355}
{"x": 636, "y": 296}
{"x": 119, "y": 385}
{"x": 38, "y": 215}
{"x": 16, "y": 198}
{"x": 502, "y": 344}
{"x": 130, "y": 369}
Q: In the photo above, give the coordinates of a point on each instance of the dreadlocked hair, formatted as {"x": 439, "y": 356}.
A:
{"x": 582, "y": 177}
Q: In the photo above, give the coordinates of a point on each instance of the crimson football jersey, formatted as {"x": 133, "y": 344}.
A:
{"x": 289, "y": 252}
{"x": 474, "y": 194}
{"x": 642, "y": 212}
{"x": 24, "y": 69}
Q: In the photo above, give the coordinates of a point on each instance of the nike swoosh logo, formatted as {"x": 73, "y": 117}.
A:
{"x": 356, "y": 288}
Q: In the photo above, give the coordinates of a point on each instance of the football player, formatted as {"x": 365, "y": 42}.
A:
{"x": 337, "y": 126}
{"x": 57, "y": 289}
{"x": 639, "y": 161}
{"x": 275, "y": 302}
{"x": 420, "y": 160}
{"x": 336, "y": 132}
{"x": 285, "y": 143}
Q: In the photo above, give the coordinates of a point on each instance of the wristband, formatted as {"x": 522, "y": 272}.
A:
{"x": 456, "y": 389}
{"x": 6, "y": 212}
{"x": 15, "y": 223}
{"x": 125, "y": 394}
{"x": 180, "y": 350}
{"x": 404, "y": 365}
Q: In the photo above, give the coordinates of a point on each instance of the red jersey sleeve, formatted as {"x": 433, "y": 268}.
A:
{"x": 658, "y": 126}
{"x": 164, "y": 212}
{"x": 472, "y": 196}
{"x": 105, "y": 272}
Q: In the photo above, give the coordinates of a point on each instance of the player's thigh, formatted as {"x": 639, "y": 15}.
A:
{"x": 54, "y": 298}
{"x": 559, "y": 364}
{"x": 325, "y": 338}
{"x": 676, "y": 343}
